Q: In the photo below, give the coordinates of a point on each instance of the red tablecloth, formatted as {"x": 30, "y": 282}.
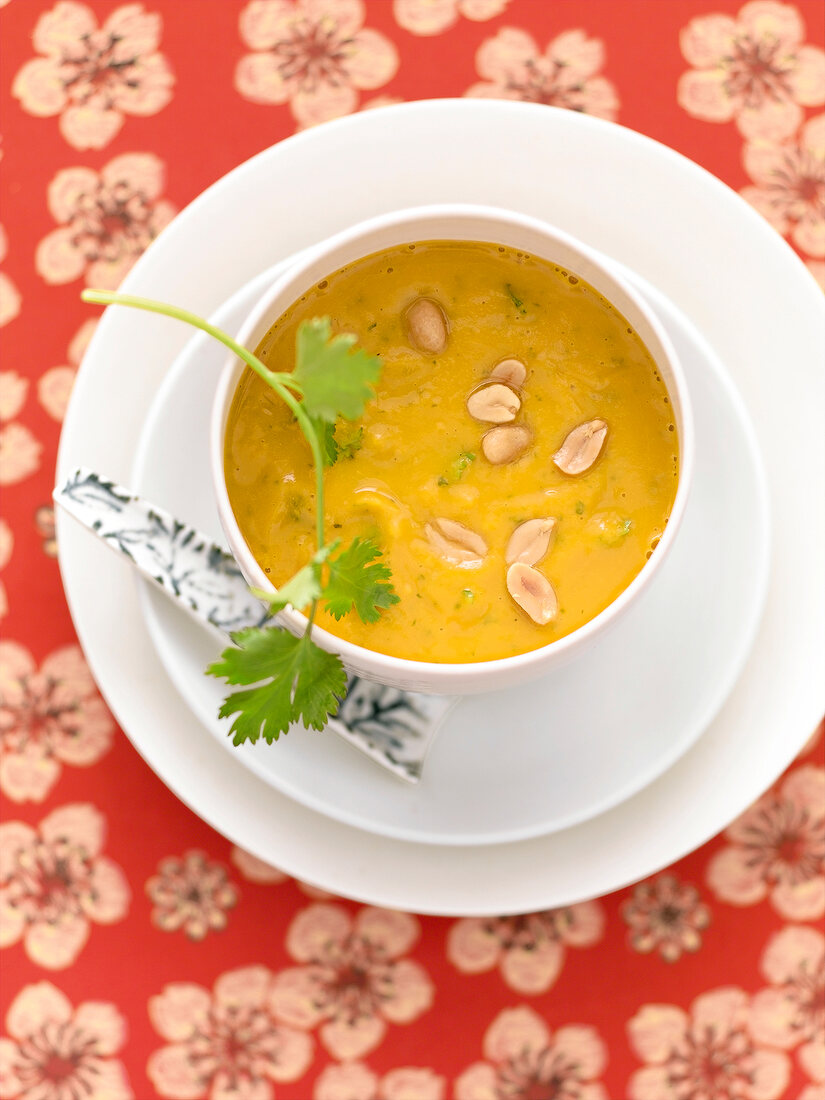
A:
{"x": 144, "y": 955}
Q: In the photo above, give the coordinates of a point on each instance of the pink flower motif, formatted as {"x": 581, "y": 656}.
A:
{"x": 6, "y": 547}
{"x": 48, "y": 717}
{"x": 106, "y": 220}
{"x": 13, "y": 390}
{"x": 529, "y": 949}
{"x": 44, "y": 525}
{"x": 792, "y": 1010}
{"x": 753, "y": 69}
{"x": 191, "y": 893}
{"x": 565, "y": 75}
{"x": 9, "y": 294}
{"x": 19, "y": 453}
{"x": 256, "y": 870}
{"x": 665, "y": 915}
{"x": 355, "y": 1081}
{"x": 92, "y": 76}
{"x": 427, "y": 17}
{"x": 777, "y": 849}
{"x": 224, "y": 1044}
{"x": 790, "y": 185}
{"x": 812, "y": 1060}
{"x": 54, "y": 390}
{"x": 354, "y": 981}
{"x": 708, "y": 1052}
{"x": 524, "y": 1060}
{"x": 19, "y": 450}
{"x": 9, "y": 300}
{"x": 313, "y": 54}
{"x": 57, "y": 1052}
{"x": 54, "y": 881}
{"x": 55, "y": 386}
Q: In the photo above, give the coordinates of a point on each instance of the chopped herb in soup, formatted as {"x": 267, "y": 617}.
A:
{"x": 517, "y": 466}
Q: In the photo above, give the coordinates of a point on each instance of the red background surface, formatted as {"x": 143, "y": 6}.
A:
{"x": 206, "y": 129}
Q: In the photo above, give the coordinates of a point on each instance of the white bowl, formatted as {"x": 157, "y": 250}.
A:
{"x": 464, "y": 223}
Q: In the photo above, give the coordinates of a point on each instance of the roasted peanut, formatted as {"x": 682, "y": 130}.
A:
{"x": 530, "y": 541}
{"x": 532, "y": 592}
{"x": 511, "y": 371}
{"x": 455, "y": 543}
{"x": 581, "y": 448}
{"x": 505, "y": 444}
{"x": 494, "y": 404}
{"x": 427, "y": 325}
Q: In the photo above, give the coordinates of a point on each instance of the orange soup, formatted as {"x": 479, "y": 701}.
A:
{"x": 517, "y": 466}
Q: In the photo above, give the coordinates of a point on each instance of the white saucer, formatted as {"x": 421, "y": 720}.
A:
{"x": 667, "y": 219}
{"x": 541, "y": 757}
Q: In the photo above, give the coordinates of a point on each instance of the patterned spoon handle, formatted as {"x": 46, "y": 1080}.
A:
{"x": 394, "y": 728}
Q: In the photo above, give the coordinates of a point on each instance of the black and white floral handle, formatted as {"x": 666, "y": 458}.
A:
{"x": 394, "y": 728}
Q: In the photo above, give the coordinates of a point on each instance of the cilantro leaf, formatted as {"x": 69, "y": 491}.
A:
{"x": 334, "y": 446}
{"x": 517, "y": 302}
{"x": 336, "y": 380}
{"x": 457, "y": 468}
{"x": 300, "y": 590}
{"x": 349, "y": 445}
{"x": 326, "y": 437}
{"x": 302, "y": 587}
{"x": 353, "y": 582}
{"x": 295, "y": 681}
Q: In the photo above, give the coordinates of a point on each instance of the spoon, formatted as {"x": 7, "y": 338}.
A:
{"x": 394, "y": 728}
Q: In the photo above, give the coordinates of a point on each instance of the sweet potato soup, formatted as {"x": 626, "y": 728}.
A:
{"x": 517, "y": 466}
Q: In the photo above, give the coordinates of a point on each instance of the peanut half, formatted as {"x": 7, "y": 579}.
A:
{"x": 493, "y": 404}
{"x": 532, "y": 592}
{"x": 581, "y": 448}
{"x": 505, "y": 444}
{"x": 427, "y": 325}
{"x": 530, "y": 541}
{"x": 511, "y": 371}
{"x": 456, "y": 543}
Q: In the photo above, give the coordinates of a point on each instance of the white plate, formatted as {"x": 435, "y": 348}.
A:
{"x": 537, "y": 758}
{"x": 663, "y": 216}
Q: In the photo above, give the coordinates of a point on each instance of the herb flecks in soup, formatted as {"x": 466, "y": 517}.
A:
{"x": 508, "y": 519}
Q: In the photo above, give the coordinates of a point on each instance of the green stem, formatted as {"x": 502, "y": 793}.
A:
{"x": 281, "y": 382}
{"x": 315, "y": 446}
{"x": 151, "y": 305}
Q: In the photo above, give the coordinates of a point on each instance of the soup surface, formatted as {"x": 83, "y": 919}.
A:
{"x": 416, "y": 457}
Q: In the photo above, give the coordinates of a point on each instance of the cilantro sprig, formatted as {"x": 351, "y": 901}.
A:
{"x": 296, "y": 680}
{"x": 288, "y": 679}
{"x": 357, "y": 580}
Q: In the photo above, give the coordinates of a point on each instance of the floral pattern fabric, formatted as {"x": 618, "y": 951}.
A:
{"x": 49, "y": 716}
{"x": 223, "y": 1042}
{"x": 106, "y": 220}
{"x": 91, "y": 76}
{"x": 315, "y": 55}
{"x": 143, "y": 955}
{"x": 754, "y": 68}
{"x": 708, "y": 1050}
{"x": 54, "y": 883}
{"x": 54, "y": 1050}
{"x": 567, "y": 73}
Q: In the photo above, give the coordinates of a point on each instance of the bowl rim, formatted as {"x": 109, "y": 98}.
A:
{"x": 382, "y": 666}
